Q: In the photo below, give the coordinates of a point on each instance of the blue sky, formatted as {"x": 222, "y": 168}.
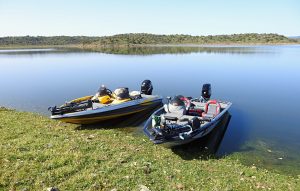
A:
{"x": 195, "y": 17}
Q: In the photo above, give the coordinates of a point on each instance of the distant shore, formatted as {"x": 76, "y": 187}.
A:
{"x": 146, "y": 44}
{"x": 144, "y": 40}
{"x": 89, "y": 47}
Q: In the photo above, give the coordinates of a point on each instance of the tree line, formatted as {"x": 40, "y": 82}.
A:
{"x": 42, "y": 40}
{"x": 145, "y": 39}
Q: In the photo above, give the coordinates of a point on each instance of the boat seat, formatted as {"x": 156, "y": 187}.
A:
{"x": 195, "y": 111}
{"x": 211, "y": 109}
{"x": 121, "y": 95}
{"x": 198, "y": 104}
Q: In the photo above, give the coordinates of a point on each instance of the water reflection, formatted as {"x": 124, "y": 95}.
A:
{"x": 147, "y": 50}
{"x": 34, "y": 51}
{"x": 206, "y": 147}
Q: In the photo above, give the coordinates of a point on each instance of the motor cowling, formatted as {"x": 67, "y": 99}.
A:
{"x": 146, "y": 87}
{"x": 206, "y": 91}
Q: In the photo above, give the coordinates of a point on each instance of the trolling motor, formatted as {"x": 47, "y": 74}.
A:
{"x": 146, "y": 87}
{"x": 70, "y": 107}
{"x": 206, "y": 92}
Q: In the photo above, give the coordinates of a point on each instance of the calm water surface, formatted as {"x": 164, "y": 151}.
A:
{"x": 261, "y": 81}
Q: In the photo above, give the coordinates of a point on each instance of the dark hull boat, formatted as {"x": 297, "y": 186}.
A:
{"x": 184, "y": 120}
{"x": 107, "y": 106}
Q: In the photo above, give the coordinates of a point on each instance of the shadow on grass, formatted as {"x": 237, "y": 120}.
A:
{"x": 133, "y": 121}
{"x": 206, "y": 147}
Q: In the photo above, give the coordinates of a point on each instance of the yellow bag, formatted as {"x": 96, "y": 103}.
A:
{"x": 104, "y": 99}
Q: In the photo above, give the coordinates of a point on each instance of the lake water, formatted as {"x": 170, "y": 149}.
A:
{"x": 261, "y": 81}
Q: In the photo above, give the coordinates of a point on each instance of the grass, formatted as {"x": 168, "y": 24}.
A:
{"x": 37, "y": 153}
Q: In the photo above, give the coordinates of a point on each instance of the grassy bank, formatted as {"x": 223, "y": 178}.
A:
{"x": 37, "y": 153}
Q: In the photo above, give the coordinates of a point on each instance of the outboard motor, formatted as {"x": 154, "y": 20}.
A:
{"x": 146, "y": 87}
{"x": 206, "y": 92}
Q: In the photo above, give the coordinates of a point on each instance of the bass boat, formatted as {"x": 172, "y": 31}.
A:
{"x": 184, "y": 119}
{"x": 106, "y": 105}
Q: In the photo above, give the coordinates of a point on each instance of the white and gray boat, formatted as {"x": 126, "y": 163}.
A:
{"x": 184, "y": 119}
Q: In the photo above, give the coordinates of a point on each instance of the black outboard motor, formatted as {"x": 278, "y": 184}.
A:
{"x": 206, "y": 92}
{"x": 146, "y": 87}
